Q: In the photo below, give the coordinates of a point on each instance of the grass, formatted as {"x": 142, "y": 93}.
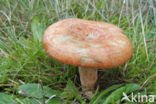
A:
{"x": 23, "y": 59}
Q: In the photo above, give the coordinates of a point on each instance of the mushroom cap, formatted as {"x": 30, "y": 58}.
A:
{"x": 87, "y": 43}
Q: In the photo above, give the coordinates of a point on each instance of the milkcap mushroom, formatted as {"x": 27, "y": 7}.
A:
{"x": 90, "y": 45}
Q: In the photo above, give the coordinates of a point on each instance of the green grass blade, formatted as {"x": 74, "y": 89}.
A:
{"x": 37, "y": 28}
{"x": 117, "y": 94}
{"x": 104, "y": 94}
{"x": 3, "y": 46}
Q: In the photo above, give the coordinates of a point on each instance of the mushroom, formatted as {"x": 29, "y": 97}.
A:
{"x": 89, "y": 45}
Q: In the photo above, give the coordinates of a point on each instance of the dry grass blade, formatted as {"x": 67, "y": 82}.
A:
{"x": 149, "y": 40}
{"x": 124, "y": 69}
{"x": 121, "y": 11}
{"x": 149, "y": 79}
{"x": 43, "y": 94}
{"x": 8, "y": 85}
{"x": 143, "y": 32}
{"x": 37, "y": 100}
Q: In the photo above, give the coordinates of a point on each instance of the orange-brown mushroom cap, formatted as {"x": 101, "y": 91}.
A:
{"x": 87, "y": 43}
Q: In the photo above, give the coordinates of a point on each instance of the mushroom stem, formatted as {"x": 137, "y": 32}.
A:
{"x": 88, "y": 78}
